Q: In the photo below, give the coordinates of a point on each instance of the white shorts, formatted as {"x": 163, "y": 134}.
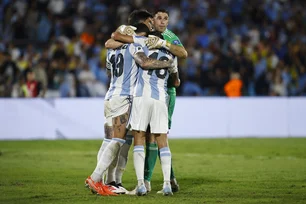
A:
{"x": 120, "y": 105}
{"x": 148, "y": 111}
{"x": 107, "y": 113}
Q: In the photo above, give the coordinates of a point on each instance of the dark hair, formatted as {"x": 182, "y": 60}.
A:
{"x": 141, "y": 27}
{"x": 162, "y": 11}
{"x": 138, "y": 16}
{"x": 157, "y": 33}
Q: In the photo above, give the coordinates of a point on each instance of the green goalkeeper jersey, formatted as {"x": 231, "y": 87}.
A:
{"x": 173, "y": 39}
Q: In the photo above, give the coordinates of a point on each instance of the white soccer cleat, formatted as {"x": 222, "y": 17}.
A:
{"x": 113, "y": 187}
{"x": 166, "y": 191}
{"x": 119, "y": 185}
{"x": 147, "y": 185}
{"x": 141, "y": 190}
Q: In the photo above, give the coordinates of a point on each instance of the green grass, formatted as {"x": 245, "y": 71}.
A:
{"x": 208, "y": 171}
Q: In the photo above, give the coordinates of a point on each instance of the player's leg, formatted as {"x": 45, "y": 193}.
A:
{"x": 171, "y": 105}
{"x": 108, "y": 131}
{"x": 117, "y": 167}
{"x": 151, "y": 147}
{"x": 150, "y": 159}
{"x": 159, "y": 128}
{"x": 96, "y": 183}
{"x": 122, "y": 159}
{"x": 139, "y": 155}
{"x": 108, "y": 128}
{"x": 115, "y": 145}
{"x": 141, "y": 112}
{"x": 120, "y": 107}
{"x": 165, "y": 160}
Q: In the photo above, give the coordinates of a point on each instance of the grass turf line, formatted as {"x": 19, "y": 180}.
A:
{"x": 208, "y": 171}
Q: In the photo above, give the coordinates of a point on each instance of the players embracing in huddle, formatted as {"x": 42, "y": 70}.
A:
{"x": 137, "y": 98}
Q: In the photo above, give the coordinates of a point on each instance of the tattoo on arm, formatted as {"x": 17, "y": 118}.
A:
{"x": 149, "y": 63}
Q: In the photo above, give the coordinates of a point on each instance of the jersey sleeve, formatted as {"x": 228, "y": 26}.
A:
{"x": 135, "y": 48}
{"x": 172, "y": 38}
{"x": 174, "y": 69}
{"x": 139, "y": 40}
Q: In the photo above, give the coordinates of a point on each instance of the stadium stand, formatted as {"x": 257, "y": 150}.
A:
{"x": 62, "y": 42}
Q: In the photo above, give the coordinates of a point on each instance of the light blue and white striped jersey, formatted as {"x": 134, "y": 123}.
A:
{"x": 153, "y": 83}
{"x": 123, "y": 71}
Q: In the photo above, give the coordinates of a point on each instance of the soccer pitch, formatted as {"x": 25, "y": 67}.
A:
{"x": 208, "y": 171}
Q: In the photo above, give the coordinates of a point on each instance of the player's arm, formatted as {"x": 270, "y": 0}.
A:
{"x": 118, "y": 37}
{"x": 154, "y": 42}
{"x": 178, "y": 51}
{"x": 112, "y": 44}
{"x": 121, "y": 37}
{"x": 148, "y": 63}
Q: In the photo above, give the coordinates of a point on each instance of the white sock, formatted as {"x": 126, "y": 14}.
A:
{"x": 123, "y": 158}
{"x": 102, "y": 148}
{"x": 139, "y": 159}
{"x": 107, "y": 157}
{"x": 165, "y": 160}
{"x": 112, "y": 169}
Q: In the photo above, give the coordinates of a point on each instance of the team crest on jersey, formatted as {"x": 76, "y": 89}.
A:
{"x": 176, "y": 42}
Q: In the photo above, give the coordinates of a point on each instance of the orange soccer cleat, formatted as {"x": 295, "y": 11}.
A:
{"x": 98, "y": 187}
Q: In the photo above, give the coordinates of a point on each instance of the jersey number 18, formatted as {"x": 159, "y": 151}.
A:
{"x": 160, "y": 73}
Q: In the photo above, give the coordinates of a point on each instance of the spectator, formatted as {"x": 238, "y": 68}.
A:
{"x": 31, "y": 88}
{"x": 263, "y": 41}
{"x": 233, "y": 88}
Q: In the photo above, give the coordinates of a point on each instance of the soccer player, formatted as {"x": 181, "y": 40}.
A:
{"x": 174, "y": 45}
{"x": 150, "y": 109}
{"x": 124, "y": 74}
{"x": 136, "y": 17}
{"x": 108, "y": 131}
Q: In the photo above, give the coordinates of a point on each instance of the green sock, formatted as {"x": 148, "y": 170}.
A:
{"x": 150, "y": 160}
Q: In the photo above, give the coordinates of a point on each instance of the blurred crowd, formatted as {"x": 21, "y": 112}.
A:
{"x": 55, "y": 48}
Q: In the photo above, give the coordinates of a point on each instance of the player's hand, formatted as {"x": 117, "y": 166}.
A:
{"x": 154, "y": 42}
{"x": 171, "y": 64}
{"x": 177, "y": 83}
{"x": 127, "y": 30}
